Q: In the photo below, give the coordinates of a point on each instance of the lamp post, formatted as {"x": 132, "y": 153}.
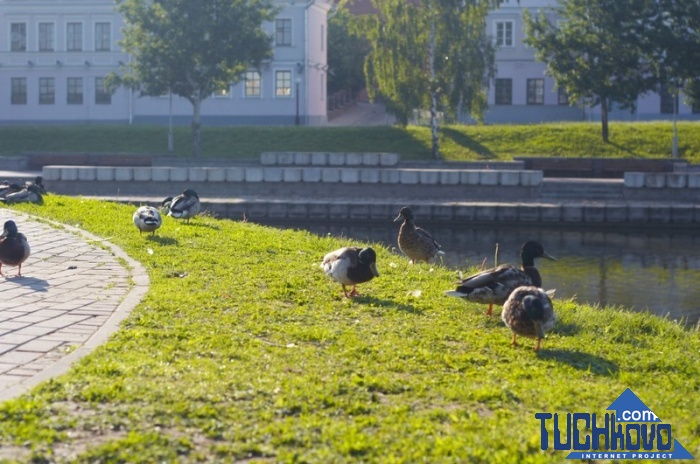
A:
{"x": 297, "y": 120}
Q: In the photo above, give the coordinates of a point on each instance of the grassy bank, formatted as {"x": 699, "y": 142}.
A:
{"x": 498, "y": 142}
{"x": 244, "y": 350}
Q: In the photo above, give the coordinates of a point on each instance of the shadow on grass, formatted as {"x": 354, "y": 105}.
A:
{"x": 388, "y": 304}
{"x": 201, "y": 224}
{"x": 581, "y": 361}
{"x": 167, "y": 241}
{"x": 625, "y": 150}
{"x": 465, "y": 141}
{"x": 566, "y": 330}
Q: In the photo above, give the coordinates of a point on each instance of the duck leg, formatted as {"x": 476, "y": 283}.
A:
{"x": 514, "y": 343}
{"x": 490, "y": 311}
{"x": 537, "y": 347}
{"x": 353, "y": 292}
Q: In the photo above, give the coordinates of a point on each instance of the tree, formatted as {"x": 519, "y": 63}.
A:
{"x": 593, "y": 52}
{"x": 193, "y": 48}
{"x": 429, "y": 54}
{"x": 346, "y": 54}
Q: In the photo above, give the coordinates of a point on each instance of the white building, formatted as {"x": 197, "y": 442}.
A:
{"x": 522, "y": 93}
{"x": 55, "y": 54}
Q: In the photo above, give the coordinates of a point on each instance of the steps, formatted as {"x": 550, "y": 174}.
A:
{"x": 582, "y": 189}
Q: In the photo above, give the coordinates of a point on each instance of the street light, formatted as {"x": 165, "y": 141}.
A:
{"x": 297, "y": 120}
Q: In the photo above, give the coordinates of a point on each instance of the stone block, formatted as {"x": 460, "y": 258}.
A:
{"x": 531, "y": 178}
{"x": 215, "y": 174}
{"x": 487, "y": 177}
{"x": 277, "y": 210}
{"x": 69, "y": 173}
{"x": 682, "y": 214}
{"x": 571, "y": 213}
{"x": 443, "y": 212}
{"x": 104, "y": 173}
{"x": 408, "y": 177}
{"x": 509, "y": 178}
{"x": 302, "y": 158}
{"x": 429, "y": 177}
{"x": 676, "y": 180}
{"x": 338, "y": 211}
{"x": 236, "y": 210}
{"x": 638, "y": 213}
{"x": 389, "y": 176}
{"x": 330, "y": 175}
{"x": 507, "y": 213}
{"x": 291, "y": 174}
{"x": 297, "y": 211}
{"x": 89, "y": 173}
{"x": 369, "y": 176}
{"x": 616, "y": 214}
{"x": 358, "y": 211}
{"x": 285, "y": 158}
{"x": 381, "y": 212}
{"x": 317, "y": 211}
{"x": 550, "y": 213}
{"x": 660, "y": 214}
{"x": 528, "y": 213}
{"x": 388, "y": 159}
{"x": 654, "y": 180}
{"x": 634, "y": 179}
{"x": 449, "y": 177}
{"x": 464, "y": 213}
{"x": 319, "y": 159}
{"x": 142, "y": 174}
{"x": 311, "y": 174}
{"x": 271, "y": 174}
{"x": 235, "y": 174}
{"x": 353, "y": 159}
{"x": 470, "y": 177}
{"x": 268, "y": 158}
{"x": 485, "y": 212}
{"x": 179, "y": 174}
{"x": 350, "y": 176}
{"x": 51, "y": 173}
{"x": 254, "y": 174}
{"x": 160, "y": 174}
{"x": 197, "y": 174}
{"x": 370, "y": 159}
{"x": 694, "y": 180}
{"x": 257, "y": 210}
{"x": 123, "y": 174}
{"x": 593, "y": 213}
{"x": 336, "y": 159}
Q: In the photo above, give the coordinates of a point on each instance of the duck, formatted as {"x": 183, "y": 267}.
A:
{"x": 494, "y": 286}
{"x": 6, "y": 188}
{"x": 14, "y": 247}
{"x": 414, "y": 242}
{"x": 529, "y": 312}
{"x": 39, "y": 182}
{"x": 184, "y": 206}
{"x": 351, "y": 266}
{"x": 147, "y": 219}
{"x": 27, "y": 194}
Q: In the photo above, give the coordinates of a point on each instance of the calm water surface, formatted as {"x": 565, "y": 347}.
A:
{"x": 656, "y": 271}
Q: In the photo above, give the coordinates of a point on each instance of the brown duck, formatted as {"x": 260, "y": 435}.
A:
{"x": 415, "y": 242}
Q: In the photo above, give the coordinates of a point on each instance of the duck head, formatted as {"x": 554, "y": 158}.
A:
{"x": 531, "y": 250}
{"x": 368, "y": 257}
{"x": 406, "y": 214}
{"x": 9, "y": 229}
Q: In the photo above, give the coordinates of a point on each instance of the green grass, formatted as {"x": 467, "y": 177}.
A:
{"x": 498, "y": 142}
{"x": 244, "y": 350}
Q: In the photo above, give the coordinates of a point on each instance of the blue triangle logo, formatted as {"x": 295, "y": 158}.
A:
{"x": 629, "y": 408}
{"x": 679, "y": 452}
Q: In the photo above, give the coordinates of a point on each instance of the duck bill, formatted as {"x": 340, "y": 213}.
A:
{"x": 398, "y": 218}
{"x": 548, "y": 256}
{"x": 373, "y": 268}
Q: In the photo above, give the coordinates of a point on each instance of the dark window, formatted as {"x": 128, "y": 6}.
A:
{"x": 74, "y": 37}
{"x": 19, "y": 90}
{"x": 75, "y": 91}
{"x": 562, "y": 96}
{"x": 283, "y": 32}
{"x": 47, "y": 91}
{"x": 102, "y": 95}
{"x": 46, "y": 37}
{"x": 535, "y": 91}
{"x": 18, "y": 37}
{"x": 103, "y": 37}
{"x": 504, "y": 91}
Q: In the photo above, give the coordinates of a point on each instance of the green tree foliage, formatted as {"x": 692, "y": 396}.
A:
{"x": 346, "y": 54}
{"x": 593, "y": 52}
{"x": 429, "y": 55}
{"x": 193, "y": 48}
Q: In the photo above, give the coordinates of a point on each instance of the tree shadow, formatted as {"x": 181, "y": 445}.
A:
{"x": 624, "y": 149}
{"x": 463, "y": 140}
{"x": 38, "y": 285}
{"x": 388, "y": 304}
{"x": 581, "y": 361}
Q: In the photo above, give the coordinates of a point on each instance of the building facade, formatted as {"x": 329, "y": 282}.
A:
{"x": 55, "y": 54}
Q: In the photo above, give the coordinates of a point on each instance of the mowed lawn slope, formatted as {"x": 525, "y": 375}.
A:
{"x": 243, "y": 350}
{"x": 457, "y": 142}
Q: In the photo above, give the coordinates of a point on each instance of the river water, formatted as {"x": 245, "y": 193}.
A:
{"x": 645, "y": 270}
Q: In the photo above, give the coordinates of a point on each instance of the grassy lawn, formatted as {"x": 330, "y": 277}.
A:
{"x": 498, "y": 142}
{"x": 243, "y": 350}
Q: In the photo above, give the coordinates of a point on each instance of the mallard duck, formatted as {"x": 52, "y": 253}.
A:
{"x": 7, "y": 188}
{"x": 415, "y": 242}
{"x": 494, "y": 286}
{"x": 14, "y": 248}
{"x": 39, "y": 182}
{"x": 29, "y": 194}
{"x": 184, "y": 206}
{"x": 147, "y": 219}
{"x": 351, "y": 266}
{"x": 528, "y": 311}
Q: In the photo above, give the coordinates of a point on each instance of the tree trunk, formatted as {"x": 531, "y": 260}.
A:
{"x": 433, "y": 95}
{"x": 196, "y": 126}
{"x": 604, "y": 118}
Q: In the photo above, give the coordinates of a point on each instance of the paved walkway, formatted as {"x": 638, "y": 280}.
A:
{"x": 72, "y": 295}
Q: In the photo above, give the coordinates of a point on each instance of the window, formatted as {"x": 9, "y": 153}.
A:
{"x": 103, "y": 37}
{"x": 19, "y": 90}
{"x": 283, "y": 32}
{"x": 562, "y": 96}
{"x": 504, "y": 33}
{"x": 667, "y": 101}
{"x": 252, "y": 84}
{"x": 102, "y": 95}
{"x": 535, "y": 91}
{"x": 47, "y": 91}
{"x": 46, "y": 37}
{"x": 18, "y": 37}
{"x": 283, "y": 83}
{"x": 74, "y": 37}
{"x": 75, "y": 91}
{"x": 504, "y": 91}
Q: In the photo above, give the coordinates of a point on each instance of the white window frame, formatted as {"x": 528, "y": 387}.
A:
{"x": 277, "y": 80}
{"x": 501, "y": 37}
{"x": 291, "y": 33}
{"x": 245, "y": 84}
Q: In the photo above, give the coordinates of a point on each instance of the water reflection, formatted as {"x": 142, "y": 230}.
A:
{"x": 655, "y": 271}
